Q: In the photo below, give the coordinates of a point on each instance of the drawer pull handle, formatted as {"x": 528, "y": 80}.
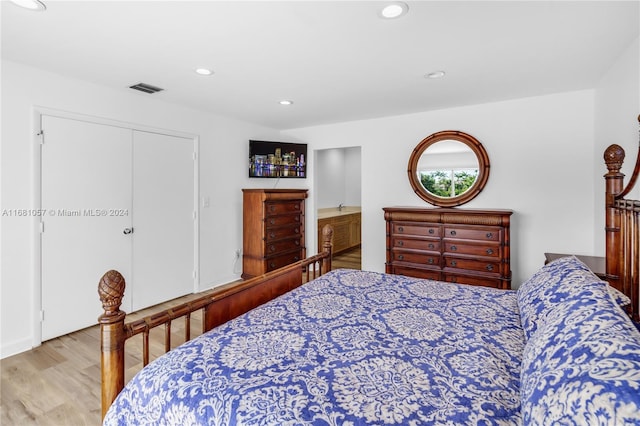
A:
{"x": 272, "y": 221}
{"x": 489, "y": 251}
{"x": 489, "y": 234}
{"x": 273, "y": 265}
{"x": 400, "y": 257}
{"x": 454, "y": 263}
{"x": 297, "y": 207}
{"x": 431, "y": 231}
{"x": 272, "y": 248}
{"x": 272, "y": 208}
{"x": 430, "y": 261}
{"x": 297, "y": 219}
{"x": 272, "y": 235}
{"x": 297, "y": 242}
{"x": 296, "y": 258}
{"x": 489, "y": 267}
{"x": 454, "y": 248}
{"x": 400, "y": 229}
{"x": 296, "y": 230}
{"x": 453, "y": 233}
{"x": 400, "y": 243}
{"x": 431, "y": 246}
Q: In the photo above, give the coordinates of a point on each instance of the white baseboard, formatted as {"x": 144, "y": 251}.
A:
{"x": 16, "y": 347}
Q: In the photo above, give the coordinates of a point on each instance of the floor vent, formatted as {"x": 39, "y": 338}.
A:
{"x": 146, "y": 88}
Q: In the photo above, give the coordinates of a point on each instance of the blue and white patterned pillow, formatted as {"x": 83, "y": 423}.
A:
{"x": 552, "y": 283}
{"x": 619, "y": 297}
{"x": 582, "y": 365}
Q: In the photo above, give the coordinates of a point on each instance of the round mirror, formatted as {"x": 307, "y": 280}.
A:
{"x": 448, "y": 168}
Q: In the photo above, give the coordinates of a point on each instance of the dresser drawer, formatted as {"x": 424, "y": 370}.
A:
{"x": 410, "y": 243}
{"x": 283, "y": 260}
{"x": 273, "y": 234}
{"x": 418, "y": 229}
{"x": 427, "y": 274}
{"x": 281, "y": 246}
{"x": 474, "y": 280}
{"x": 473, "y": 233}
{"x": 458, "y": 247}
{"x": 488, "y": 267}
{"x": 421, "y": 258}
{"x": 282, "y": 220}
{"x": 272, "y": 208}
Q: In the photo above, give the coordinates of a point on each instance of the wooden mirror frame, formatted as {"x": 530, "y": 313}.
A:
{"x": 468, "y": 195}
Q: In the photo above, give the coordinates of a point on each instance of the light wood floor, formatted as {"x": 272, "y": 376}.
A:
{"x": 58, "y": 383}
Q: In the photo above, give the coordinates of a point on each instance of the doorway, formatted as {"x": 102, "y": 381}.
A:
{"x": 338, "y": 192}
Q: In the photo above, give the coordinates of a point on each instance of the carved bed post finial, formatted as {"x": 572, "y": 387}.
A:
{"x": 111, "y": 291}
{"x": 613, "y": 158}
{"x": 112, "y": 334}
{"x": 327, "y": 244}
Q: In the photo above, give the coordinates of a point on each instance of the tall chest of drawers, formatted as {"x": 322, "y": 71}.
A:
{"x": 455, "y": 245}
{"x": 273, "y": 229}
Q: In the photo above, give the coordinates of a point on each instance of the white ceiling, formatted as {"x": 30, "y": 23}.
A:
{"x": 337, "y": 60}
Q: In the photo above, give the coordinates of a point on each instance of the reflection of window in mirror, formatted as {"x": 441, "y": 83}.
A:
{"x": 447, "y": 168}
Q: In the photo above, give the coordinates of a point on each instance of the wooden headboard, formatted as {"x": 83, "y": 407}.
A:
{"x": 621, "y": 227}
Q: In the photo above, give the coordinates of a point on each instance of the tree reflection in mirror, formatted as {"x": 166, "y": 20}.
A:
{"x": 448, "y": 168}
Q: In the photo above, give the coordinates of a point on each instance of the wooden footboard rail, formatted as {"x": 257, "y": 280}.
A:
{"x": 218, "y": 306}
{"x": 622, "y": 230}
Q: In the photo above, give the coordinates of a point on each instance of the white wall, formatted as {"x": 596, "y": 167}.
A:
{"x": 330, "y": 178}
{"x": 223, "y": 150}
{"x": 542, "y": 165}
{"x": 616, "y": 121}
{"x": 338, "y": 177}
{"x": 353, "y": 176}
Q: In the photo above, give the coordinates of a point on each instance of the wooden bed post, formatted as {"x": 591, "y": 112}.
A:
{"x": 614, "y": 182}
{"x": 622, "y": 228}
{"x": 327, "y": 244}
{"x": 112, "y": 335}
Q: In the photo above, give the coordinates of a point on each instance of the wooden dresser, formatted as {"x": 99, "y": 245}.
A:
{"x": 273, "y": 229}
{"x": 449, "y": 244}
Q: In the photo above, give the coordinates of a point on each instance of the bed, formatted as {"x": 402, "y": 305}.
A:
{"x": 358, "y": 348}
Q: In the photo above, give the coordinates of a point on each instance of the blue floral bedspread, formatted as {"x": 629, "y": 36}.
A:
{"x": 350, "y": 348}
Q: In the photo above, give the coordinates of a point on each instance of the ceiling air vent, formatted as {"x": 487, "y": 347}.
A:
{"x": 146, "y": 88}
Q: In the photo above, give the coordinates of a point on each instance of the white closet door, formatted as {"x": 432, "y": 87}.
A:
{"x": 164, "y": 223}
{"x": 86, "y": 197}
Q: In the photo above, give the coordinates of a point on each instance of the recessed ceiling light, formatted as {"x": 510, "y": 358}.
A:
{"x": 204, "y": 71}
{"x": 394, "y": 10}
{"x": 30, "y": 4}
{"x": 286, "y": 102}
{"x": 435, "y": 74}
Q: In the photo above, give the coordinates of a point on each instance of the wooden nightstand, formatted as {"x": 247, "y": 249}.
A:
{"x": 595, "y": 263}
